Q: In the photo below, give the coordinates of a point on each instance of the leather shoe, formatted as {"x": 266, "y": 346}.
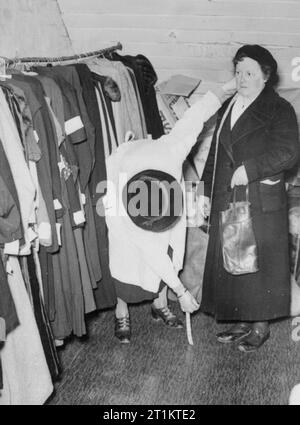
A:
{"x": 166, "y": 315}
{"x": 123, "y": 329}
{"x": 235, "y": 333}
{"x": 253, "y": 341}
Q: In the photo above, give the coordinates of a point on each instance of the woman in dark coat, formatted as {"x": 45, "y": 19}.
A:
{"x": 258, "y": 142}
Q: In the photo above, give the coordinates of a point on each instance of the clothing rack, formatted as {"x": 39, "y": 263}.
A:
{"x": 96, "y": 53}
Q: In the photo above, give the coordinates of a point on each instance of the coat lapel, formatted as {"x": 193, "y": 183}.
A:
{"x": 256, "y": 116}
{"x": 226, "y": 142}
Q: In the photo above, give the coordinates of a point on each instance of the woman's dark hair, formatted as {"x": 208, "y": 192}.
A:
{"x": 264, "y": 58}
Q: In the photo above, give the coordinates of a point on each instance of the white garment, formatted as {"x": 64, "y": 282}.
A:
{"x": 137, "y": 256}
{"x": 26, "y": 376}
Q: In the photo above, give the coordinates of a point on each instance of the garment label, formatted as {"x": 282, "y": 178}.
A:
{"x": 32, "y": 235}
{"x": 83, "y": 199}
{"x": 270, "y": 182}
{"x": 73, "y": 125}
{"x": 57, "y": 204}
{"x": 2, "y": 329}
{"x": 58, "y": 231}
{"x": 9, "y": 269}
{"x": 45, "y": 235}
{"x": 79, "y": 217}
{"x": 36, "y": 136}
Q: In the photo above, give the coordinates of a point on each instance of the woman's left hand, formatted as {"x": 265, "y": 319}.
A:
{"x": 188, "y": 303}
{"x": 239, "y": 177}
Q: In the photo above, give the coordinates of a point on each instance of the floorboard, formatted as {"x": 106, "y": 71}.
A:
{"x": 160, "y": 368}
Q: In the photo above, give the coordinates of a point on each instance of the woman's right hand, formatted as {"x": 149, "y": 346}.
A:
{"x": 230, "y": 86}
{"x": 188, "y": 303}
{"x": 203, "y": 206}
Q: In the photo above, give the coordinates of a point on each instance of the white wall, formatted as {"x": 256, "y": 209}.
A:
{"x": 32, "y": 28}
{"x": 193, "y": 37}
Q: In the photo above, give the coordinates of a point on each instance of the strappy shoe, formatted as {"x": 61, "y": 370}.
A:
{"x": 235, "y": 334}
{"x": 123, "y": 329}
{"x": 167, "y": 316}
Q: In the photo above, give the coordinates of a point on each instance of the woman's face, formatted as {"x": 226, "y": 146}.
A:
{"x": 250, "y": 79}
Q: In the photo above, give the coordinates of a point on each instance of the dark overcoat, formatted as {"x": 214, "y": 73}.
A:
{"x": 265, "y": 140}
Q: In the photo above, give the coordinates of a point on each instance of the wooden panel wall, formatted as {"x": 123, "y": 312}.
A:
{"x": 32, "y": 28}
{"x": 192, "y": 37}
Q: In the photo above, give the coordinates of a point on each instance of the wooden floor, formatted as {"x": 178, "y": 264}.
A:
{"x": 159, "y": 367}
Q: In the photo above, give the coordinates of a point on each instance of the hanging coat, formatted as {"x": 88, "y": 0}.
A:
{"x": 265, "y": 140}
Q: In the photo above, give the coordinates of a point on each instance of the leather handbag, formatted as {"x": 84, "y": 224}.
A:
{"x": 238, "y": 242}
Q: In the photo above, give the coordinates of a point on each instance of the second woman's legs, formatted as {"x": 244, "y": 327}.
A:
{"x": 122, "y": 322}
{"x": 161, "y": 311}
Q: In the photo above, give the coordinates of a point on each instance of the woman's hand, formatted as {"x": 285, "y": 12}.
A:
{"x": 239, "y": 177}
{"x": 224, "y": 92}
{"x": 197, "y": 214}
{"x": 188, "y": 303}
{"x": 206, "y": 206}
{"x": 230, "y": 86}
{"x": 203, "y": 206}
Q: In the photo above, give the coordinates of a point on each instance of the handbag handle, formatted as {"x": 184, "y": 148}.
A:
{"x": 216, "y": 153}
{"x": 234, "y": 196}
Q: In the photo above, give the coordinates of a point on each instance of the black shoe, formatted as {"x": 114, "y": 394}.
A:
{"x": 166, "y": 315}
{"x": 235, "y": 334}
{"x": 123, "y": 329}
{"x": 255, "y": 340}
